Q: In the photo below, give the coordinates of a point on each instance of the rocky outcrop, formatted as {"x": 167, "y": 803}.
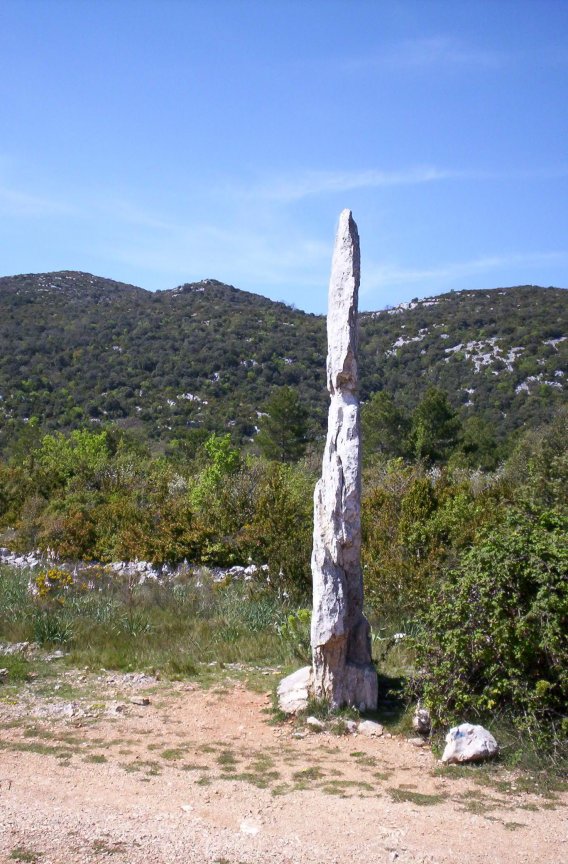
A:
{"x": 341, "y": 646}
{"x": 143, "y": 571}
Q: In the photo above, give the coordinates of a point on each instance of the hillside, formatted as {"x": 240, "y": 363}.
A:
{"x": 78, "y": 348}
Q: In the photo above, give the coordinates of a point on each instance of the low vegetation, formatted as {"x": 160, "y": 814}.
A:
{"x": 465, "y": 570}
{"x": 464, "y": 517}
{"x": 174, "y": 628}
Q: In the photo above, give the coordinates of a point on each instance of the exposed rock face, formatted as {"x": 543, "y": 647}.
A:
{"x": 341, "y": 645}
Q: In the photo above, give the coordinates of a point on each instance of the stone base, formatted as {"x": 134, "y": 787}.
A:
{"x": 359, "y": 689}
{"x": 294, "y": 691}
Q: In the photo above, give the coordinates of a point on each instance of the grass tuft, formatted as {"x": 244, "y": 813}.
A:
{"x": 403, "y": 795}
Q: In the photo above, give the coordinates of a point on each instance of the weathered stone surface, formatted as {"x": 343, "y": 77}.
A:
{"x": 315, "y": 724}
{"x": 369, "y": 727}
{"x": 11, "y": 648}
{"x": 468, "y": 743}
{"x": 421, "y": 721}
{"x": 341, "y": 646}
{"x": 294, "y": 690}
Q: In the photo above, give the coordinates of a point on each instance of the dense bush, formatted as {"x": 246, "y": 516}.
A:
{"x": 86, "y": 497}
{"x": 495, "y": 634}
{"x": 415, "y": 523}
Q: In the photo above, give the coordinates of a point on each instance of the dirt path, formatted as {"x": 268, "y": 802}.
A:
{"x": 89, "y": 773}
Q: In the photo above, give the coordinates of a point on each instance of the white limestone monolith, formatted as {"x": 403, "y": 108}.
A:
{"x": 342, "y": 671}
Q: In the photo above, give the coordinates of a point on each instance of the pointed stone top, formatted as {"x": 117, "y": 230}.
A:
{"x": 342, "y": 307}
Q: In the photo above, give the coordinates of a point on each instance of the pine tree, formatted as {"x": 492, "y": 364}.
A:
{"x": 435, "y": 427}
{"x": 283, "y": 429}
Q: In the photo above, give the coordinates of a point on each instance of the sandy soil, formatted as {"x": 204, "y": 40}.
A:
{"x": 88, "y": 773}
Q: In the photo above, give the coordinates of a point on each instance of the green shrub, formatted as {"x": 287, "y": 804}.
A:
{"x": 495, "y": 634}
{"x": 295, "y": 633}
{"x": 280, "y": 531}
{"x": 414, "y": 525}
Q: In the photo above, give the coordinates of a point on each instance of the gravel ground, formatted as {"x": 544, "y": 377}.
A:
{"x": 126, "y": 768}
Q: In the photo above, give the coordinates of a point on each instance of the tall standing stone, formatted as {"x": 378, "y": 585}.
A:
{"x": 342, "y": 671}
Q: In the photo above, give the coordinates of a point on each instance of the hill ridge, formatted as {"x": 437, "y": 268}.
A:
{"x": 500, "y": 353}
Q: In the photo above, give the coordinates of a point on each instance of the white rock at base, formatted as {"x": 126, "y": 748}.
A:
{"x": 293, "y": 691}
{"x": 468, "y": 743}
{"x": 369, "y": 727}
{"x": 315, "y": 724}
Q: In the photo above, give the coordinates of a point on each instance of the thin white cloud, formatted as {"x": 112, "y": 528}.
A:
{"x": 20, "y": 203}
{"x": 428, "y": 52}
{"x": 385, "y": 275}
{"x": 306, "y": 184}
{"x": 131, "y": 213}
{"x": 310, "y": 183}
{"x": 445, "y": 51}
{"x": 17, "y": 203}
{"x": 241, "y": 257}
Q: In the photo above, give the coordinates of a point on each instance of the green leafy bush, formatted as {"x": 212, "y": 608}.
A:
{"x": 280, "y": 531}
{"x": 495, "y": 634}
{"x": 295, "y": 632}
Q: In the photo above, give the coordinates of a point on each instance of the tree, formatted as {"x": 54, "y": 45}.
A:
{"x": 283, "y": 428}
{"x": 385, "y": 426}
{"x": 479, "y": 445}
{"x": 82, "y": 454}
{"x": 222, "y": 461}
{"x": 434, "y": 427}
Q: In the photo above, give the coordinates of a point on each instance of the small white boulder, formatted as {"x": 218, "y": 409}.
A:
{"x": 468, "y": 743}
{"x": 369, "y": 727}
{"x": 294, "y": 690}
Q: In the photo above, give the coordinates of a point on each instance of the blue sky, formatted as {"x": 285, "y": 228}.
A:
{"x": 163, "y": 142}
